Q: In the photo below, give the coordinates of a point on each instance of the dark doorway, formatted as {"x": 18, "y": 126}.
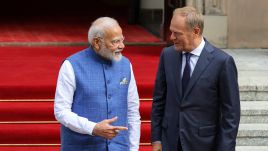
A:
{"x": 61, "y": 9}
{"x": 170, "y": 5}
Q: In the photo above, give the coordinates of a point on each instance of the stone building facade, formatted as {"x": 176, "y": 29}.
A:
{"x": 235, "y": 23}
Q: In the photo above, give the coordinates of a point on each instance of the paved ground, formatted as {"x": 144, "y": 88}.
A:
{"x": 252, "y": 65}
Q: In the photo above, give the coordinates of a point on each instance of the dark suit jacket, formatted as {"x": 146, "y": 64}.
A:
{"x": 206, "y": 118}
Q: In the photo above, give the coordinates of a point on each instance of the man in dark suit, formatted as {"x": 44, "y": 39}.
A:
{"x": 196, "y": 104}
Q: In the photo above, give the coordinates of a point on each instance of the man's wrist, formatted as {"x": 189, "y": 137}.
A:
{"x": 91, "y": 127}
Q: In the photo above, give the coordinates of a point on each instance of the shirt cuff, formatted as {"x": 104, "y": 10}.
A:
{"x": 90, "y": 127}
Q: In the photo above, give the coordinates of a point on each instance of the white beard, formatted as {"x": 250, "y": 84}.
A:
{"x": 107, "y": 54}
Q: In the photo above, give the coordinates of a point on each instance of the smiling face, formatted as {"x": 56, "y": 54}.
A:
{"x": 182, "y": 36}
{"x": 186, "y": 33}
{"x": 111, "y": 45}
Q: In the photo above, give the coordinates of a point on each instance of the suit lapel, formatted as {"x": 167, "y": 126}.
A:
{"x": 175, "y": 61}
{"x": 204, "y": 60}
{"x": 177, "y": 73}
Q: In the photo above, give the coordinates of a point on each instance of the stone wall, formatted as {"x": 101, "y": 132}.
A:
{"x": 248, "y": 24}
{"x": 209, "y": 7}
{"x": 215, "y": 19}
{"x": 235, "y": 23}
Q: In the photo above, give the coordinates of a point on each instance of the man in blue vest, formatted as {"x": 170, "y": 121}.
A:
{"x": 96, "y": 99}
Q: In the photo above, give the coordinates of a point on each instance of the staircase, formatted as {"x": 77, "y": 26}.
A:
{"x": 27, "y": 121}
{"x": 253, "y": 129}
{"x": 29, "y": 124}
{"x": 253, "y": 85}
{"x": 31, "y": 51}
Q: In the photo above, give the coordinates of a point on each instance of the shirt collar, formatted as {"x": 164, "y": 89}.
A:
{"x": 197, "y": 51}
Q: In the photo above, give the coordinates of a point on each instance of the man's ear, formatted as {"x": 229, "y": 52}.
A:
{"x": 96, "y": 44}
{"x": 196, "y": 31}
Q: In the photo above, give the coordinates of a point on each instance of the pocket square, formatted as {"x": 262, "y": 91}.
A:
{"x": 124, "y": 81}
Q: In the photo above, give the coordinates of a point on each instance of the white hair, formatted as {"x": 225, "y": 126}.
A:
{"x": 98, "y": 27}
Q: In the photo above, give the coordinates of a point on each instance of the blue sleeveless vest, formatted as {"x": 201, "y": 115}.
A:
{"x": 101, "y": 93}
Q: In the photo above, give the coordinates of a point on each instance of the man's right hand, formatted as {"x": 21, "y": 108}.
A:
{"x": 157, "y": 146}
{"x": 106, "y": 130}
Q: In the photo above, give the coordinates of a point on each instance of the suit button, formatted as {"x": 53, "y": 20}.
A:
{"x": 109, "y": 96}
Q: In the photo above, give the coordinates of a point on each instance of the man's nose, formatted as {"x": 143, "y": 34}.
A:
{"x": 172, "y": 37}
{"x": 121, "y": 45}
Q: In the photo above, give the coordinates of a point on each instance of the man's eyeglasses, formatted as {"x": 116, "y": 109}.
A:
{"x": 116, "y": 41}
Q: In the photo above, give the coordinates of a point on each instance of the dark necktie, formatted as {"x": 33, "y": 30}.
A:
{"x": 186, "y": 72}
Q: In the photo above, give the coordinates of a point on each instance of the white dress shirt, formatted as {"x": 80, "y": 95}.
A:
{"x": 194, "y": 58}
{"x": 66, "y": 87}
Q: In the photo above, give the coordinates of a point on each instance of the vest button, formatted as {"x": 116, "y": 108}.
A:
{"x": 109, "y": 96}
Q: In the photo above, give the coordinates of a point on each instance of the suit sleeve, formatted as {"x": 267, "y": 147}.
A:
{"x": 158, "y": 104}
{"x": 230, "y": 106}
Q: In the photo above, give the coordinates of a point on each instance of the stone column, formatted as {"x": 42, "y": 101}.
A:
{"x": 215, "y": 7}
{"x": 198, "y": 4}
{"x": 209, "y": 7}
{"x": 215, "y": 16}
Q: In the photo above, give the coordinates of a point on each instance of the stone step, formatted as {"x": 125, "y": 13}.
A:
{"x": 253, "y": 95}
{"x": 252, "y": 135}
{"x": 251, "y": 148}
{"x": 254, "y": 92}
{"x": 254, "y": 112}
{"x": 252, "y": 73}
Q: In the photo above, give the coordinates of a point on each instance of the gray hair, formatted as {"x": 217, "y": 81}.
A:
{"x": 193, "y": 17}
{"x": 99, "y": 26}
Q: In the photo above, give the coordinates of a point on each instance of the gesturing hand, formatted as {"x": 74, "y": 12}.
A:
{"x": 106, "y": 130}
